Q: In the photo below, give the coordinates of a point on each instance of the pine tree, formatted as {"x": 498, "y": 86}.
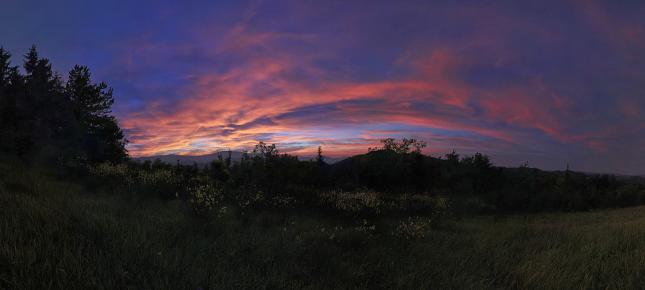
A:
{"x": 320, "y": 159}
{"x": 90, "y": 101}
{"x": 5, "y": 70}
{"x": 7, "y": 104}
{"x": 103, "y": 139}
{"x": 31, "y": 60}
{"x": 42, "y": 120}
{"x": 45, "y": 109}
{"x": 14, "y": 132}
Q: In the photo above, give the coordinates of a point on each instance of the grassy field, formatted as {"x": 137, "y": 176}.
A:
{"x": 58, "y": 235}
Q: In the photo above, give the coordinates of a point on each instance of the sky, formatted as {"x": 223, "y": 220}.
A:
{"x": 550, "y": 83}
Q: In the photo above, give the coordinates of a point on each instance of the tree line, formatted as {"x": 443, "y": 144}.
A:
{"x": 46, "y": 119}
{"x": 398, "y": 169}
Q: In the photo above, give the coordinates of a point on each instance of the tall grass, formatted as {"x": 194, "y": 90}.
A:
{"x": 56, "y": 235}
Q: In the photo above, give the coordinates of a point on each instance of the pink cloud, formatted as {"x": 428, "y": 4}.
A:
{"x": 222, "y": 109}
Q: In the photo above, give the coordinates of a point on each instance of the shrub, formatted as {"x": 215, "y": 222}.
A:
{"x": 630, "y": 194}
{"x": 161, "y": 182}
{"x": 355, "y": 203}
{"x": 413, "y": 228}
{"x": 282, "y": 201}
{"x": 204, "y": 198}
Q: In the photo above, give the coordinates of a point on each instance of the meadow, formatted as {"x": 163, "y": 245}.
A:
{"x": 64, "y": 234}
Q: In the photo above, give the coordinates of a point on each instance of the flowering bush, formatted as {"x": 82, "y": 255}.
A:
{"x": 205, "y": 198}
{"x": 250, "y": 197}
{"x": 110, "y": 170}
{"x": 282, "y": 201}
{"x": 353, "y": 202}
{"x": 413, "y": 228}
{"x": 162, "y": 183}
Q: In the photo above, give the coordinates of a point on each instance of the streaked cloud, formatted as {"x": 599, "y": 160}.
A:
{"x": 552, "y": 82}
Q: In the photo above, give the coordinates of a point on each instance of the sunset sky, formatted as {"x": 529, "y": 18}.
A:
{"x": 548, "y": 82}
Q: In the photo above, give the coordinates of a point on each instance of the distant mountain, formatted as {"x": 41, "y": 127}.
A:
{"x": 333, "y": 160}
{"x": 328, "y": 160}
{"x": 192, "y": 159}
{"x": 205, "y": 159}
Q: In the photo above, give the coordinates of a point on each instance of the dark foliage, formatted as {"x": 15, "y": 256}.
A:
{"x": 394, "y": 174}
{"x": 42, "y": 119}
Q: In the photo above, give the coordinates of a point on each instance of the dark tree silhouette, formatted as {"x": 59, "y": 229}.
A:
{"x": 103, "y": 139}
{"x": 404, "y": 145}
{"x": 320, "y": 159}
{"x": 42, "y": 119}
{"x": 10, "y": 80}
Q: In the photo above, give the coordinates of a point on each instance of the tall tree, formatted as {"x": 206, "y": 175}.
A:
{"x": 91, "y": 101}
{"x": 103, "y": 139}
{"x": 46, "y": 108}
{"x": 7, "y": 103}
{"x": 42, "y": 120}
{"x": 320, "y": 159}
{"x": 5, "y": 69}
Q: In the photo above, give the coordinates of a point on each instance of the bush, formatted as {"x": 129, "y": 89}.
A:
{"x": 161, "y": 183}
{"x": 630, "y": 194}
{"x": 204, "y": 198}
{"x": 413, "y": 228}
{"x": 358, "y": 203}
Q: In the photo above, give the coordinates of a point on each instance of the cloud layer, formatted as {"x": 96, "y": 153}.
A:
{"x": 550, "y": 82}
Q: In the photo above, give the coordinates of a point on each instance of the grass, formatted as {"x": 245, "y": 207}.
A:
{"x": 56, "y": 234}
